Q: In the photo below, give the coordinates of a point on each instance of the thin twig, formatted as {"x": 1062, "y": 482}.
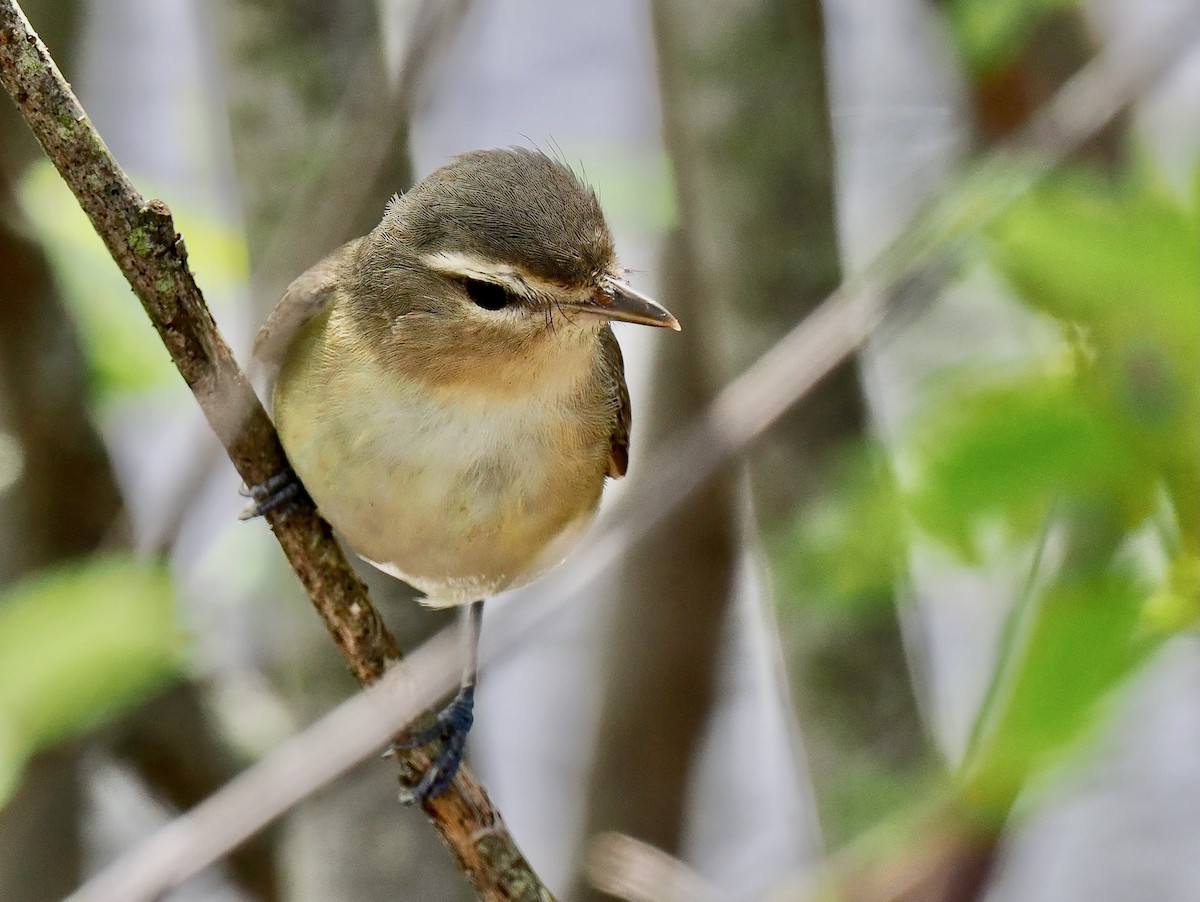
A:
{"x": 142, "y": 239}
{"x": 627, "y": 868}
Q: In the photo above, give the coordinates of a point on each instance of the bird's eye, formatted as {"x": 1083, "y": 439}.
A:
{"x": 488, "y": 295}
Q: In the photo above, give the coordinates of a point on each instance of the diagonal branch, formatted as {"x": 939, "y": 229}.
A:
{"x": 142, "y": 239}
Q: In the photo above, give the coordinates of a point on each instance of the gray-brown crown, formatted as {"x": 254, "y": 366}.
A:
{"x": 510, "y": 205}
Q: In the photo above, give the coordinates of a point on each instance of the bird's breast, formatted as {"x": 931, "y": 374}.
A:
{"x": 460, "y": 493}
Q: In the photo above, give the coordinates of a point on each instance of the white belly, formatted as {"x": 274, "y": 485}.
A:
{"x": 460, "y": 497}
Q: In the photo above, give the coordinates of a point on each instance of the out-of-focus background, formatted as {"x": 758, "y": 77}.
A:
{"x": 934, "y": 638}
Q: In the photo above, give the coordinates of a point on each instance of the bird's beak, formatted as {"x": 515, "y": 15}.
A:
{"x": 616, "y": 299}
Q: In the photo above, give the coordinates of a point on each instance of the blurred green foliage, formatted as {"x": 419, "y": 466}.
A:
{"x": 995, "y": 452}
{"x": 1111, "y": 443}
{"x": 849, "y": 545}
{"x": 863, "y": 742}
{"x": 123, "y": 355}
{"x": 79, "y": 645}
{"x": 635, "y": 189}
{"x": 1086, "y": 458}
{"x": 1075, "y": 641}
{"x": 991, "y": 33}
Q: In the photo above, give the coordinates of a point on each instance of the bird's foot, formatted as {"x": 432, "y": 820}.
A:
{"x": 281, "y": 491}
{"x": 450, "y": 728}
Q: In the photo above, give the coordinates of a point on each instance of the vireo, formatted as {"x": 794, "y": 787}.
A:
{"x": 449, "y": 390}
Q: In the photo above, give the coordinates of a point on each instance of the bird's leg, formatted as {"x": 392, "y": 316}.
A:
{"x": 283, "y": 490}
{"x": 452, "y": 723}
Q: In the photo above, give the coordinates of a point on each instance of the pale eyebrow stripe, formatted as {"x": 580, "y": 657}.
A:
{"x": 470, "y": 266}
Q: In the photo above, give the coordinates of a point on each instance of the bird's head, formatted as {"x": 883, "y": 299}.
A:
{"x": 495, "y": 252}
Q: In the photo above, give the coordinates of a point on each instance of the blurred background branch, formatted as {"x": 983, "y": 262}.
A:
{"x": 305, "y": 763}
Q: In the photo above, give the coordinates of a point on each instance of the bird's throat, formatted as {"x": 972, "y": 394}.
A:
{"x": 545, "y": 363}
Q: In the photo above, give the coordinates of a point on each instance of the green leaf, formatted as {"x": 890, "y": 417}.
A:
{"x": 1076, "y": 643}
{"x": 989, "y": 34}
{"x": 1176, "y": 605}
{"x": 122, "y": 350}
{"x": 847, "y": 547}
{"x": 1117, "y": 259}
{"x": 999, "y": 451}
{"x": 80, "y": 644}
{"x": 1117, "y": 263}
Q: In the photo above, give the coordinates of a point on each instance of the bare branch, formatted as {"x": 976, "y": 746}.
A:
{"x": 142, "y": 239}
{"x": 627, "y": 868}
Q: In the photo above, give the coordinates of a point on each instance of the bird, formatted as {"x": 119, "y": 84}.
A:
{"x": 450, "y": 393}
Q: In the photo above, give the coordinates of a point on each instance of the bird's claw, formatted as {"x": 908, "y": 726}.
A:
{"x": 450, "y": 728}
{"x": 281, "y": 491}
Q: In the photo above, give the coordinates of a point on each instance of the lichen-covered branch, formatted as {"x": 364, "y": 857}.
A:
{"x": 142, "y": 239}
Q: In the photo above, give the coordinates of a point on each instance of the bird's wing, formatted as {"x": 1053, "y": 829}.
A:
{"x": 307, "y": 296}
{"x": 614, "y": 369}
